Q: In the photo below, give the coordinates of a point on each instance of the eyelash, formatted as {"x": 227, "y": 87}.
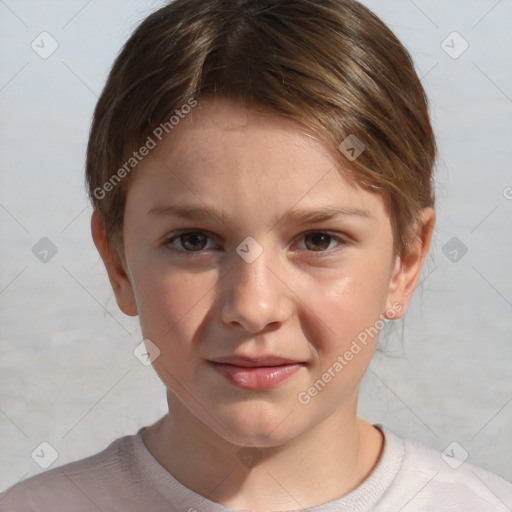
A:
{"x": 176, "y": 236}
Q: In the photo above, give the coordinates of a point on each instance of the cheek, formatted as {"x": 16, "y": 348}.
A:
{"x": 348, "y": 305}
{"x": 343, "y": 332}
{"x": 172, "y": 303}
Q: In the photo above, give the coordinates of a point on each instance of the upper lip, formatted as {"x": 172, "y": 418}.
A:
{"x": 254, "y": 361}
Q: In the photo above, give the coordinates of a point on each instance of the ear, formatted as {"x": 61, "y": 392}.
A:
{"x": 119, "y": 280}
{"x": 408, "y": 265}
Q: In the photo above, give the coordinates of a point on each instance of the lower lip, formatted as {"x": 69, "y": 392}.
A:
{"x": 261, "y": 377}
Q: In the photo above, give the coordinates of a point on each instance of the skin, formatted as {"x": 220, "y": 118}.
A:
{"x": 293, "y": 301}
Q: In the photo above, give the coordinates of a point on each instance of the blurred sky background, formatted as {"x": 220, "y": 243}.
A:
{"x": 68, "y": 375}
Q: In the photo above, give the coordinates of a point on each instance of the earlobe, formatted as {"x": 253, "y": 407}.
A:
{"x": 118, "y": 278}
{"x": 408, "y": 265}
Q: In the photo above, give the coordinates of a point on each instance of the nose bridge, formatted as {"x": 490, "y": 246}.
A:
{"x": 253, "y": 296}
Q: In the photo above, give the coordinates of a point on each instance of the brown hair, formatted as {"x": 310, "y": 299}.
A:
{"x": 332, "y": 66}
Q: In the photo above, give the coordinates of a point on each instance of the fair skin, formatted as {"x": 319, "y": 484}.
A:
{"x": 306, "y": 297}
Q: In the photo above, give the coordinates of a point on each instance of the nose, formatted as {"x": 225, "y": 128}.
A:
{"x": 254, "y": 296}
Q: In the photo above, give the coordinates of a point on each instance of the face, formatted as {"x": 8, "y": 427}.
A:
{"x": 259, "y": 272}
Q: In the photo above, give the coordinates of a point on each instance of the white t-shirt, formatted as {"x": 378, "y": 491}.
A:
{"x": 409, "y": 476}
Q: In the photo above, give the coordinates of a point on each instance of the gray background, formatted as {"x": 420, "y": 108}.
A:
{"x": 67, "y": 372}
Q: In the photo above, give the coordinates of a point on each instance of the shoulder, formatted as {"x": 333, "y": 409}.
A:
{"x": 77, "y": 486}
{"x": 431, "y": 480}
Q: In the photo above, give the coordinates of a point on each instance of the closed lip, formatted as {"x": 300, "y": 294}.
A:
{"x": 256, "y": 361}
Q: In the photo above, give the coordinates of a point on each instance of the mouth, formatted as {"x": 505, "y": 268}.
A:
{"x": 263, "y": 372}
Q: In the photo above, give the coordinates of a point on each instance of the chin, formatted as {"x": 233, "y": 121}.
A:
{"x": 253, "y": 424}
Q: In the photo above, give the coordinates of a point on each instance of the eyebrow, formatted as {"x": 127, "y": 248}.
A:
{"x": 317, "y": 215}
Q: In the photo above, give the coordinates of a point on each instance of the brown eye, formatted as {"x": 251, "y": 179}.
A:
{"x": 318, "y": 241}
{"x": 192, "y": 241}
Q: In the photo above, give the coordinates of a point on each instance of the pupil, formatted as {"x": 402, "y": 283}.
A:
{"x": 191, "y": 240}
{"x": 319, "y": 239}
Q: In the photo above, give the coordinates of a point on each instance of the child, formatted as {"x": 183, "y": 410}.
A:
{"x": 261, "y": 175}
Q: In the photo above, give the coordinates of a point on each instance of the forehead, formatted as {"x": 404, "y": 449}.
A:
{"x": 246, "y": 161}
{"x": 220, "y": 132}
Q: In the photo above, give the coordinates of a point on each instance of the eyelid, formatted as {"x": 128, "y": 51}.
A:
{"x": 342, "y": 240}
{"x": 176, "y": 235}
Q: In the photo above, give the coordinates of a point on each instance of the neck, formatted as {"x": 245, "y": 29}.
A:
{"x": 302, "y": 472}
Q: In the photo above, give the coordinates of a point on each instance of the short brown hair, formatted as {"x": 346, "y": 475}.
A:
{"x": 332, "y": 66}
